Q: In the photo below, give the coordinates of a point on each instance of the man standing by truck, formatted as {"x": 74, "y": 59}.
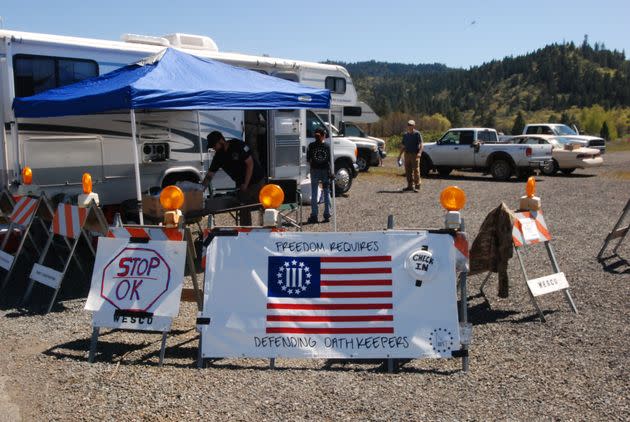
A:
{"x": 412, "y": 149}
{"x": 318, "y": 156}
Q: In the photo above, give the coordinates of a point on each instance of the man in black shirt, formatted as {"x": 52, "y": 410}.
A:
{"x": 235, "y": 158}
{"x": 318, "y": 156}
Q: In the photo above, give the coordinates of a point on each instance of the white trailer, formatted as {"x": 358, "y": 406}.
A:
{"x": 171, "y": 144}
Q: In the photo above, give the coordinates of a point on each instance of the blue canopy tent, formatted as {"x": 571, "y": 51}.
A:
{"x": 172, "y": 80}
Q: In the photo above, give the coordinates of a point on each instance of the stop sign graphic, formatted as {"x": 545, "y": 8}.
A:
{"x": 135, "y": 279}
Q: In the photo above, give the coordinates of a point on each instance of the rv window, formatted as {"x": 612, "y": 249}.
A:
{"x": 34, "y": 74}
{"x": 352, "y": 111}
{"x": 324, "y": 117}
{"x": 352, "y": 130}
{"x": 336, "y": 85}
{"x": 313, "y": 122}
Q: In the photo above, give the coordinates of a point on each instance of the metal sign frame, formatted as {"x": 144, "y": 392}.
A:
{"x": 42, "y": 213}
{"x": 7, "y": 202}
{"x": 94, "y": 221}
{"x": 519, "y": 241}
{"x": 142, "y": 234}
{"x": 616, "y": 233}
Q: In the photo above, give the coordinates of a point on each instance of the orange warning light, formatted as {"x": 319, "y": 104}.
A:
{"x": 171, "y": 198}
{"x": 453, "y": 198}
{"x": 271, "y": 196}
{"x": 27, "y": 175}
{"x": 86, "y": 180}
{"x": 530, "y": 188}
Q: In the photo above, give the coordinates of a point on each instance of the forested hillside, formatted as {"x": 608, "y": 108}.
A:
{"x": 560, "y": 81}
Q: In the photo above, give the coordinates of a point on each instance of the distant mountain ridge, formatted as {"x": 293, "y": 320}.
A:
{"x": 555, "y": 77}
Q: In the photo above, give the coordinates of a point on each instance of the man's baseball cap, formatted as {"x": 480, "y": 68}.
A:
{"x": 213, "y": 138}
{"x": 320, "y": 131}
{"x": 411, "y": 123}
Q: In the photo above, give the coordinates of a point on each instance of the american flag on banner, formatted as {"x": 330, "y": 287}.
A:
{"x": 330, "y": 295}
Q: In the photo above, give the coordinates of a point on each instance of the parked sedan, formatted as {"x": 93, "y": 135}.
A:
{"x": 567, "y": 155}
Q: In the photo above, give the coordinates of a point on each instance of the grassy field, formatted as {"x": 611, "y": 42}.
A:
{"x": 618, "y": 145}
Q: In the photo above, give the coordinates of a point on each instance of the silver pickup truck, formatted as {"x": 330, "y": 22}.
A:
{"x": 478, "y": 149}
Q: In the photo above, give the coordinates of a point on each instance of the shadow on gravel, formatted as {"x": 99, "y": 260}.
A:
{"x": 391, "y": 191}
{"x": 618, "y": 266}
{"x": 575, "y": 175}
{"x": 533, "y": 317}
{"x": 335, "y": 365}
{"x": 482, "y": 313}
{"x": 478, "y": 178}
{"x": 108, "y": 351}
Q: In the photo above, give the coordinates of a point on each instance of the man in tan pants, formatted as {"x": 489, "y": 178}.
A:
{"x": 412, "y": 149}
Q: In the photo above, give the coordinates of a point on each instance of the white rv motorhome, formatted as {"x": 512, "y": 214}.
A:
{"x": 171, "y": 144}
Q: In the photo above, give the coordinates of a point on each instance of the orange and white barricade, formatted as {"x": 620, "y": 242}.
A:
{"x": 70, "y": 224}
{"x": 28, "y": 213}
{"x": 139, "y": 304}
{"x": 530, "y": 229}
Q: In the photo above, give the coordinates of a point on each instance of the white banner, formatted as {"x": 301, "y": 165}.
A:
{"x": 136, "y": 285}
{"x": 330, "y": 295}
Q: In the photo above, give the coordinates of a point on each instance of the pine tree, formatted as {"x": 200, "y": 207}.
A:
{"x": 605, "y": 132}
{"x": 519, "y": 124}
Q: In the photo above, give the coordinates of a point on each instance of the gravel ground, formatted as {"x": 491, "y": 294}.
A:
{"x": 573, "y": 367}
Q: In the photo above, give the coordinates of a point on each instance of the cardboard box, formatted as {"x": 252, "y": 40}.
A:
{"x": 193, "y": 201}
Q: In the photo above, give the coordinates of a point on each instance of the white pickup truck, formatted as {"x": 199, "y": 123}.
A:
{"x": 478, "y": 149}
{"x": 566, "y": 132}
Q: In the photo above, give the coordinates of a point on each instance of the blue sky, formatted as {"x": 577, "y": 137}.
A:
{"x": 457, "y": 33}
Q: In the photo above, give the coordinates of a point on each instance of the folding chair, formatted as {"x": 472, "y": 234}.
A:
{"x": 292, "y": 203}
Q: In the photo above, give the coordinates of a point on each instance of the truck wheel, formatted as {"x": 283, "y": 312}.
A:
{"x": 425, "y": 166}
{"x": 363, "y": 162}
{"x": 550, "y": 169}
{"x": 444, "y": 171}
{"x": 343, "y": 179}
{"x": 501, "y": 169}
{"x": 567, "y": 172}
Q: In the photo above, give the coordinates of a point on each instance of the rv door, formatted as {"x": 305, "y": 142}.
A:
{"x": 287, "y": 151}
{"x": 285, "y": 146}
